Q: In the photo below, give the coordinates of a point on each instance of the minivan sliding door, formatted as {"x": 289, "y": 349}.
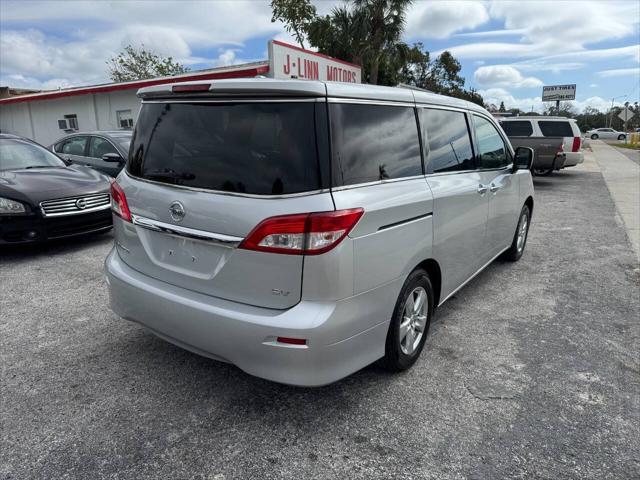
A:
{"x": 460, "y": 199}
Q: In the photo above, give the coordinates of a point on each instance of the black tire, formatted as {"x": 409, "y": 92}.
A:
{"x": 594, "y": 136}
{"x": 621, "y": 137}
{"x": 395, "y": 359}
{"x": 542, "y": 172}
{"x": 515, "y": 251}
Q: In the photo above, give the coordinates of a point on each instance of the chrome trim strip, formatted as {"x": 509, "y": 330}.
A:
{"x": 404, "y": 222}
{"x": 75, "y": 212}
{"x": 472, "y": 276}
{"x": 156, "y": 226}
{"x": 232, "y": 194}
{"x": 376, "y": 182}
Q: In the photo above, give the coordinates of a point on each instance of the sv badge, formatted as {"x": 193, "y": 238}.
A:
{"x": 277, "y": 291}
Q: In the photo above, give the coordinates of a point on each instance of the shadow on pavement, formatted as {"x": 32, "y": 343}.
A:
{"x": 53, "y": 247}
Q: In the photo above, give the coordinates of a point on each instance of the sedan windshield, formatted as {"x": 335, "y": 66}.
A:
{"x": 18, "y": 154}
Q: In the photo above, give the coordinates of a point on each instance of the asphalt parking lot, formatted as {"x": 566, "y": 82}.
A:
{"x": 531, "y": 371}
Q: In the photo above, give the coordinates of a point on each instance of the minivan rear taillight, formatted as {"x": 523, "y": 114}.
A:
{"x": 119, "y": 204}
{"x": 302, "y": 233}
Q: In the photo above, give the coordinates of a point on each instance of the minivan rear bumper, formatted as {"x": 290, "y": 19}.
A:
{"x": 246, "y": 335}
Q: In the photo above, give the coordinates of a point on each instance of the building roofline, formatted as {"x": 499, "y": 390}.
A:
{"x": 236, "y": 71}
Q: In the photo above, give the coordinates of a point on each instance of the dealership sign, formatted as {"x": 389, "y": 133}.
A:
{"x": 553, "y": 93}
{"x": 288, "y": 61}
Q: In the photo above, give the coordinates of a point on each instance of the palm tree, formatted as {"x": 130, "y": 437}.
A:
{"x": 366, "y": 32}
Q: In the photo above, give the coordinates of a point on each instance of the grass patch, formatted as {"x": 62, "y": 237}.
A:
{"x": 631, "y": 146}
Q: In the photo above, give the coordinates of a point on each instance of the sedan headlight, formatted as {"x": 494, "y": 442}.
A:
{"x": 11, "y": 207}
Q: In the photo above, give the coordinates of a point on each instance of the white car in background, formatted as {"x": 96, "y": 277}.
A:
{"x": 605, "y": 133}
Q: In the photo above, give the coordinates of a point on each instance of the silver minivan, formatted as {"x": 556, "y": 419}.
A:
{"x": 303, "y": 230}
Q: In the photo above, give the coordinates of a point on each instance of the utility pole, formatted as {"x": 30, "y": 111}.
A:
{"x": 611, "y": 110}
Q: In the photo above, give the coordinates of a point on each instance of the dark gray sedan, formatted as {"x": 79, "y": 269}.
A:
{"x": 105, "y": 151}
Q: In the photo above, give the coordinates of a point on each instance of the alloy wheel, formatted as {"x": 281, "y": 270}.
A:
{"x": 414, "y": 320}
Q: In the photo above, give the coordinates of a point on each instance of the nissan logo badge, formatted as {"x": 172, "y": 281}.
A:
{"x": 176, "y": 210}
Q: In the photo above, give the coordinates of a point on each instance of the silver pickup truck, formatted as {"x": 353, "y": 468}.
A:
{"x": 556, "y": 141}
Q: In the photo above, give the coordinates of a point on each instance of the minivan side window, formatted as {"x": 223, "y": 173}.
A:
{"x": 555, "y": 128}
{"x": 373, "y": 142}
{"x": 492, "y": 152}
{"x": 446, "y": 140}
{"x": 517, "y": 128}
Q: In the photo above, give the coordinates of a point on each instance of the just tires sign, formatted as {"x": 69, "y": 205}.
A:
{"x": 288, "y": 61}
{"x": 552, "y": 93}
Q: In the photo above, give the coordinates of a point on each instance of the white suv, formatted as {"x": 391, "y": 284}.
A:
{"x": 557, "y": 141}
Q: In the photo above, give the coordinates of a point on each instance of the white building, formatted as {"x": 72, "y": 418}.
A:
{"x": 47, "y": 116}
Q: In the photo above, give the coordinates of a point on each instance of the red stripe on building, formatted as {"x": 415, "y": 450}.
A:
{"x": 114, "y": 87}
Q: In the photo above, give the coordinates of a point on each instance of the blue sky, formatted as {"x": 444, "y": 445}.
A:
{"x": 508, "y": 50}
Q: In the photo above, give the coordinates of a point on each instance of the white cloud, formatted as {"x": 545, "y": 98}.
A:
{"x": 504, "y": 76}
{"x": 497, "y": 95}
{"x": 567, "y": 25}
{"x": 97, "y": 31}
{"x": 620, "y": 72}
{"x": 441, "y": 19}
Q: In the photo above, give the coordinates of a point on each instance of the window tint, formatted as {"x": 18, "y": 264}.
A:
{"x": 518, "y": 128}
{"x": 257, "y": 148}
{"x": 374, "y": 142}
{"x": 446, "y": 141}
{"x": 491, "y": 148}
{"x": 555, "y": 129}
{"x": 99, "y": 147}
{"x": 74, "y": 146}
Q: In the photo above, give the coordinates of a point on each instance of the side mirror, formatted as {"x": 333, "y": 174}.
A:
{"x": 523, "y": 159}
{"x": 112, "y": 157}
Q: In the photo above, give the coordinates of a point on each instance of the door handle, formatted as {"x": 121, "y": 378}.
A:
{"x": 494, "y": 188}
{"x": 482, "y": 189}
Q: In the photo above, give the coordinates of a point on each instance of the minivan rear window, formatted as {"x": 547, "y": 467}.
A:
{"x": 517, "y": 128}
{"x": 555, "y": 129}
{"x": 254, "y": 148}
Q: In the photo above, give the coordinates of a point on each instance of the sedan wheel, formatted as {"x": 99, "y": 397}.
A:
{"x": 621, "y": 137}
{"x": 594, "y": 137}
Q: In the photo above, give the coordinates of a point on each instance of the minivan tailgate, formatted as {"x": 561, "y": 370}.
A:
{"x": 199, "y": 252}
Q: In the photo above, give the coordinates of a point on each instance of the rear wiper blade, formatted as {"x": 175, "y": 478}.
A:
{"x": 168, "y": 173}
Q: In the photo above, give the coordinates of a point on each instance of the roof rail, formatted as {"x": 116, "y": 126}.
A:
{"x": 412, "y": 87}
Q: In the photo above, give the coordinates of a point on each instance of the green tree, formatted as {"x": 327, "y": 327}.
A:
{"x": 296, "y": 15}
{"x": 365, "y": 32}
{"x": 137, "y": 63}
{"x": 441, "y": 75}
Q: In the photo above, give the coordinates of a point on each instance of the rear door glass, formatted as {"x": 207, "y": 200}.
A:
{"x": 555, "y": 129}
{"x": 373, "y": 143}
{"x": 254, "y": 148}
{"x": 446, "y": 140}
{"x": 518, "y": 128}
